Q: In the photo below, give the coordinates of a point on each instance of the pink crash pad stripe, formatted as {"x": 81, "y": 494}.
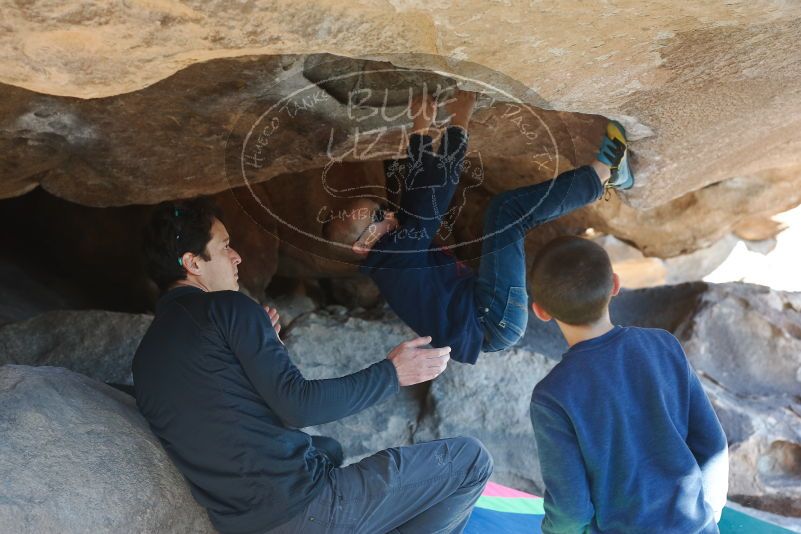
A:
{"x": 496, "y": 490}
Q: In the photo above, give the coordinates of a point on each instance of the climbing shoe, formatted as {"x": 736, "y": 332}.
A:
{"x": 614, "y": 152}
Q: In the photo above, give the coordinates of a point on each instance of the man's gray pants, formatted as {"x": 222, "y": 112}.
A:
{"x": 419, "y": 489}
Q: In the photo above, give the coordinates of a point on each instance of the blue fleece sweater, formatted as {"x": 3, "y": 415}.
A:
{"x": 628, "y": 440}
{"x": 425, "y": 285}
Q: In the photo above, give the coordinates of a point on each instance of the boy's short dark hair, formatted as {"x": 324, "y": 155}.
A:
{"x": 174, "y": 229}
{"x": 572, "y": 280}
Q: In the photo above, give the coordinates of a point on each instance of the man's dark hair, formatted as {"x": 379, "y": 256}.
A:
{"x": 174, "y": 229}
{"x": 572, "y": 280}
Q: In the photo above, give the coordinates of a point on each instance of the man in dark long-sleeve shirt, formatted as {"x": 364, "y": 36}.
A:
{"x": 626, "y": 437}
{"x": 217, "y": 386}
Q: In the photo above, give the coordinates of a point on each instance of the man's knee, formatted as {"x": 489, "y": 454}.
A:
{"x": 482, "y": 463}
{"x": 330, "y": 447}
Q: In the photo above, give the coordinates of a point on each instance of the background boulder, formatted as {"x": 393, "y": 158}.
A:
{"x": 76, "y": 456}
{"x": 99, "y": 344}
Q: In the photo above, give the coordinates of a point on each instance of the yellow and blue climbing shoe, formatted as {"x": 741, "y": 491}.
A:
{"x": 614, "y": 152}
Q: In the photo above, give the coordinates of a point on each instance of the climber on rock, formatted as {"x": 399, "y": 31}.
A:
{"x": 435, "y": 294}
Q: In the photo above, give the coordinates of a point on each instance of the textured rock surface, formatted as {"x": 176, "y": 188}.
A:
{"x": 710, "y": 93}
{"x": 747, "y": 338}
{"x": 638, "y": 271}
{"x": 98, "y": 344}
{"x": 290, "y": 307}
{"x": 764, "y": 433}
{"x": 746, "y": 341}
{"x": 169, "y": 140}
{"x": 76, "y": 456}
{"x": 695, "y": 75}
{"x": 327, "y": 345}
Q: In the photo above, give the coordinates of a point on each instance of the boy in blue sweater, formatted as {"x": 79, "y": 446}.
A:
{"x": 626, "y": 437}
{"x": 435, "y": 294}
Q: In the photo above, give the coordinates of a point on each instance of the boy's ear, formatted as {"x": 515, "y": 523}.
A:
{"x": 541, "y": 314}
{"x": 615, "y": 284}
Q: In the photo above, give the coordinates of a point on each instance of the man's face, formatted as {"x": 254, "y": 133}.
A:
{"x": 220, "y": 272}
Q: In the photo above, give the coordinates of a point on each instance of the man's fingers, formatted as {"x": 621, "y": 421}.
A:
{"x": 417, "y": 342}
{"x": 434, "y": 371}
{"x": 439, "y": 363}
{"x": 272, "y": 313}
{"x": 432, "y": 353}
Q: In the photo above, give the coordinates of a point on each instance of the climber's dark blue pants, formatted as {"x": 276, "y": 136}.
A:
{"x": 501, "y": 295}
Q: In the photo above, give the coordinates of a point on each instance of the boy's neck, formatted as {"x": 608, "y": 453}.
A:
{"x": 576, "y": 334}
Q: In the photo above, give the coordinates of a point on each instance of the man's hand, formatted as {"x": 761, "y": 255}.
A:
{"x": 415, "y": 364}
{"x": 460, "y": 107}
{"x": 272, "y": 313}
{"x": 424, "y": 110}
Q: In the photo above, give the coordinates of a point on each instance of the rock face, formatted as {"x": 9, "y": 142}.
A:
{"x": 76, "y": 456}
{"x": 745, "y": 341}
{"x": 637, "y": 271}
{"x": 764, "y": 433}
{"x": 116, "y": 105}
{"x": 747, "y": 338}
{"x": 98, "y": 344}
{"x": 693, "y": 79}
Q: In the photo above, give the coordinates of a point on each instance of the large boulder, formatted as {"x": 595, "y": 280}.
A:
{"x": 99, "y": 344}
{"x": 708, "y": 94}
{"x": 747, "y": 338}
{"x": 329, "y": 344}
{"x": 76, "y": 456}
{"x": 745, "y": 341}
{"x": 764, "y": 433}
{"x": 638, "y": 271}
{"x": 711, "y": 88}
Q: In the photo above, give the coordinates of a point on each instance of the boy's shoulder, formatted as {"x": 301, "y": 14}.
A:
{"x": 655, "y": 335}
{"x": 634, "y": 335}
{"x": 571, "y": 372}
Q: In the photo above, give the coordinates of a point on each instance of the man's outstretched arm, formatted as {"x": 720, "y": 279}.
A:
{"x": 300, "y": 402}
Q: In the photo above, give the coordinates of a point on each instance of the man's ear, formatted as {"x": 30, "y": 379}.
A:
{"x": 541, "y": 314}
{"x": 615, "y": 284}
{"x": 189, "y": 263}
